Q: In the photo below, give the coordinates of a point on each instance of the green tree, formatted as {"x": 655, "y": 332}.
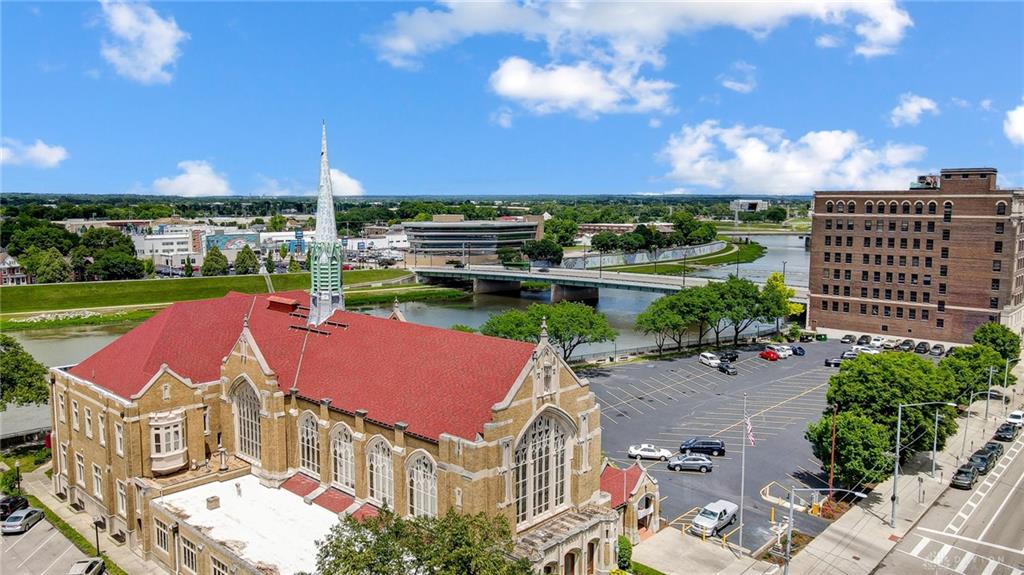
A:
{"x": 80, "y": 260}
{"x": 863, "y": 448}
{"x": 650, "y": 236}
{"x": 775, "y": 298}
{"x": 684, "y": 223}
{"x": 625, "y": 558}
{"x": 509, "y": 254}
{"x": 282, "y": 251}
{"x": 43, "y": 237}
{"x": 99, "y": 240}
{"x": 46, "y": 266}
{"x": 631, "y": 242}
{"x": 148, "y": 267}
{"x": 1000, "y": 338}
{"x": 188, "y": 266}
{"x": 570, "y": 325}
{"x": 276, "y": 223}
{"x": 114, "y": 264}
{"x": 215, "y": 263}
{"x": 544, "y": 249}
{"x": 512, "y": 324}
{"x": 969, "y": 368}
{"x": 662, "y": 321}
{"x": 22, "y": 378}
{"x": 293, "y": 266}
{"x": 704, "y": 232}
{"x": 605, "y": 242}
{"x": 776, "y": 214}
{"x": 875, "y": 385}
{"x": 452, "y": 544}
{"x": 268, "y": 264}
{"x": 743, "y": 304}
{"x": 561, "y": 231}
{"x": 463, "y": 327}
{"x": 246, "y": 261}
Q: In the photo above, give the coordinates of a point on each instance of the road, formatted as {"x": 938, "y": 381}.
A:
{"x": 42, "y": 550}
{"x": 977, "y": 532}
{"x": 664, "y": 402}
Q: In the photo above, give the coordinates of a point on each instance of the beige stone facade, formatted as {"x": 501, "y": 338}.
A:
{"x": 537, "y": 462}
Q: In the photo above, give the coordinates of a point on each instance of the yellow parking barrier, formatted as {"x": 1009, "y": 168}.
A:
{"x": 725, "y": 538}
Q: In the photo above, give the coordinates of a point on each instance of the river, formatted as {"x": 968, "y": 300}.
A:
{"x": 65, "y": 346}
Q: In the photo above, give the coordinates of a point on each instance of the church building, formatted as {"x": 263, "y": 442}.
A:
{"x": 227, "y": 435}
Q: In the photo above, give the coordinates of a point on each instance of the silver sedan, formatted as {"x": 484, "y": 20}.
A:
{"x": 692, "y": 462}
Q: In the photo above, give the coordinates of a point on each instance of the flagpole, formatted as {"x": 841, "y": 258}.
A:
{"x": 743, "y": 463}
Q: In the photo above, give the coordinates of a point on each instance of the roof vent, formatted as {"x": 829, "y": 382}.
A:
{"x": 213, "y": 502}
{"x": 278, "y": 303}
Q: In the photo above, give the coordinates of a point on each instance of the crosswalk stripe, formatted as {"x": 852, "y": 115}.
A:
{"x": 968, "y": 557}
{"x": 946, "y": 548}
{"x": 990, "y": 568}
{"x": 920, "y": 546}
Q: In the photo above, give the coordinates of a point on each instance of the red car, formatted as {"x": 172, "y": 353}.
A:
{"x": 769, "y": 355}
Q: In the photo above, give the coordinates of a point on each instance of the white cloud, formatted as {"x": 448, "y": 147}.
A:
{"x": 654, "y": 122}
{"x": 605, "y": 45}
{"x": 761, "y": 160}
{"x": 345, "y": 185}
{"x": 502, "y": 117}
{"x": 198, "y": 178}
{"x": 39, "y": 154}
{"x": 985, "y": 104}
{"x": 960, "y": 102}
{"x": 910, "y": 109}
{"x": 827, "y": 41}
{"x": 745, "y": 83}
{"x": 582, "y": 88}
{"x": 144, "y": 47}
{"x": 1013, "y": 125}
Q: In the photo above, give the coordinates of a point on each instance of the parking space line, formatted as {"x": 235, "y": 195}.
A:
{"x": 54, "y": 562}
{"x": 40, "y": 546}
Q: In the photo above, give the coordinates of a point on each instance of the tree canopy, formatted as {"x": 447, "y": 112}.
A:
{"x": 99, "y": 240}
{"x": 969, "y": 367}
{"x": 452, "y": 544}
{"x": 215, "y": 263}
{"x": 605, "y": 242}
{"x": 22, "y": 378}
{"x": 277, "y": 223}
{"x": 561, "y": 231}
{"x": 863, "y": 449}
{"x": 114, "y": 264}
{"x": 570, "y": 324}
{"x": 246, "y": 261}
{"x": 1000, "y": 338}
{"x": 46, "y": 266}
{"x": 545, "y": 250}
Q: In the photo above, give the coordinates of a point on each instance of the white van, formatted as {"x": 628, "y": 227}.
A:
{"x": 710, "y": 359}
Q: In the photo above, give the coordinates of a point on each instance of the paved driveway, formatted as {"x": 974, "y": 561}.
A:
{"x": 41, "y": 550}
{"x": 664, "y": 402}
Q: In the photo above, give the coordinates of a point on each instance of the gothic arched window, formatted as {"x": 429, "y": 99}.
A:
{"x": 422, "y": 484}
{"x": 247, "y": 421}
{"x": 309, "y": 443}
{"x": 540, "y": 469}
{"x": 381, "y": 475}
{"x": 343, "y": 458}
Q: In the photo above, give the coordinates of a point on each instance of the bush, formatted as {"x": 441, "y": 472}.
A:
{"x": 625, "y": 553}
{"x": 9, "y": 482}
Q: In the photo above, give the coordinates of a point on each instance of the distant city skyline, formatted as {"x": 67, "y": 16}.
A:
{"x": 499, "y": 99}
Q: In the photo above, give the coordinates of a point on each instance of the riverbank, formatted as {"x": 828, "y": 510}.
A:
{"x": 160, "y": 292}
{"x": 742, "y": 252}
{"x": 354, "y": 298}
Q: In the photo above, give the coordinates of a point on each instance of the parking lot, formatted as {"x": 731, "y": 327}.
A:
{"x": 42, "y": 550}
{"x": 664, "y": 402}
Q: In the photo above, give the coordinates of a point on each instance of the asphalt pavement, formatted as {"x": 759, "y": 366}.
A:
{"x": 42, "y": 550}
{"x": 664, "y": 402}
{"x": 970, "y": 532}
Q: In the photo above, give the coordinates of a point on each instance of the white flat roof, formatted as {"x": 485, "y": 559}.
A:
{"x": 263, "y": 526}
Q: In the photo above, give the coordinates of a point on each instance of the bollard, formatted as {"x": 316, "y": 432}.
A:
{"x": 773, "y": 514}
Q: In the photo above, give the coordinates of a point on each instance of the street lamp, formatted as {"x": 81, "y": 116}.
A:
{"x": 784, "y": 262}
{"x": 988, "y": 398}
{"x": 17, "y": 473}
{"x": 789, "y": 527}
{"x": 96, "y": 525}
{"x": 896, "y": 462}
{"x": 967, "y": 421}
{"x": 1006, "y": 376}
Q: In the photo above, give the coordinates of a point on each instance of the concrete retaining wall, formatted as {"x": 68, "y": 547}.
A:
{"x": 593, "y": 260}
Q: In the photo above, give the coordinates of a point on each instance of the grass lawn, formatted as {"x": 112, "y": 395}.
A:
{"x": 30, "y": 456}
{"x": 747, "y": 253}
{"x": 130, "y": 316}
{"x": 675, "y": 267}
{"x": 137, "y": 292}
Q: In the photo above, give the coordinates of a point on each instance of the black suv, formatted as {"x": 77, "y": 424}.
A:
{"x": 983, "y": 460}
{"x": 728, "y": 355}
{"x": 10, "y": 504}
{"x": 907, "y": 345}
{"x": 994, "y": 448}
{"x": 922, "y": 347}
{"x": 864, "y": 340}
{"x": 1007, "y": 432}
{"x": 706, "y": 446}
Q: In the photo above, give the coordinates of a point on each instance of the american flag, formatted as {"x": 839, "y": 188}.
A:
{"x": 750, "y": 433}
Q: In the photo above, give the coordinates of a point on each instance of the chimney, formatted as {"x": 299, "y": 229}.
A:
{"x": 213, "y": 502}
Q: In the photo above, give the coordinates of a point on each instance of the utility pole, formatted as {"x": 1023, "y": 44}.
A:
{"x": 684, "y": 266}
{"x": 935, "y": 441}
{"x": 896, "y": 460}
{"x": 832, "y": 457}
{"x": 988, "y": 399}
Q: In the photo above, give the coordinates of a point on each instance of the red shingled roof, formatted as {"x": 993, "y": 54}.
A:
{"x": 334, "y": 500}
{"x": 396, "y": 371}
{"x": 300, "y": 485}
{"x": 620, "y": 483}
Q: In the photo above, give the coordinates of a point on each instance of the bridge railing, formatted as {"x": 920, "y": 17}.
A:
{"x": 670, "y": 347}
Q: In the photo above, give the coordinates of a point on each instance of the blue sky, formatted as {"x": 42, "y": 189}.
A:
{"x": 479, "y": 99}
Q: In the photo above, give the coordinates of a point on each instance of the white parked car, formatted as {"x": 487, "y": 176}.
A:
{"x": 710, "y": 359}
{"x": 877, "y": 341}
{"x": 648, "y": 451}
{"x": 784, "y": 351}
{"x": 714, "y": 518}
{"x": 864, "y": 349}
{"x": 1016, "y": 418}
{"x": 890, "y": 343}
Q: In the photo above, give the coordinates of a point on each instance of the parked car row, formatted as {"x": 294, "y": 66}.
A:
{"x": 693, "y": 454}
{"x": 777, "y": 351}
{"x": 895, "y": 344}
{"x": 983, "y": 460}
{"x": 722, "y": 361}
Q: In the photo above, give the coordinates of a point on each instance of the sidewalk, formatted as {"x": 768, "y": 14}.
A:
{"x": 857, "y": 542}
{"x": 37, "y": 484}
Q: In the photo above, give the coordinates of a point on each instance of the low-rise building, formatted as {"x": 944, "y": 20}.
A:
{"x": 473, "y": 241}
{"x": 11, "y": 272}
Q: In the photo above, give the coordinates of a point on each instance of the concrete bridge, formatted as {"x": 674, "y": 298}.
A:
{"x": 566, "y": 284}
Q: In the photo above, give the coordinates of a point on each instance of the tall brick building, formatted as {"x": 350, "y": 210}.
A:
{"x": 932, "y": 262}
